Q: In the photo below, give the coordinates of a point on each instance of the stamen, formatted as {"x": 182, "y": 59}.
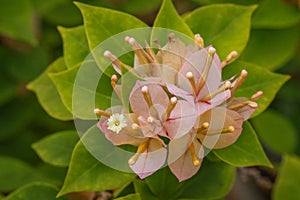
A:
{"x": 142, "y": 147}
{"x": 224, "y": 87}
{"x": 97, "y": 111}
{"x": 195, "y": 160}
{"x": 150, "y": 120}
{"x": 257, "y": 95}
{"x": 231, "y": 56}
{"x": 147, "y": 96}
{"x": 204, "y": 126}
{"x": 151, "y": 53}
{"x": 115, "y": 61}
{"x": 229, "y": 129}
{"x": 135, "y": 126}
{"x": 240, "y": 80}
{"x": 199, "y": 41}
{"x": 114, "y": 80}
{"x": 252, "y": 104}
{"x": 209, "y": 59}
{"x": 171, "y": 106}
{"x": 171, "y": 37}
{"x": 155, "y": 41}
{"x": 191, "y": 79}
{"x": 144, "y": 58}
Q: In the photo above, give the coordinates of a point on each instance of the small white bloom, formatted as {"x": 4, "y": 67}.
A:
{"x": 116, "y": 122}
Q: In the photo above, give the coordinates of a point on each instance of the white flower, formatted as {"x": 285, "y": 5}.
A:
{"x": 116, "y": 122}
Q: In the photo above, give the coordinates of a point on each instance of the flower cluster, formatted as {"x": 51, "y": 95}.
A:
{"x": 179, "y": 106}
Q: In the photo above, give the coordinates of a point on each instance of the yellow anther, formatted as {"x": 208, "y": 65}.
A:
{"x": 221, "y": 89}
{"x": 238, "y": 106}
{"x": 190, "y": 77}
{"x": 195, "y": 160}
{"x": 231, "y": 56}
{"x": 199, "y": 41}
{"x": 204, "y": 126}
{"x": 97, "y": 111}
{"x": 240, "y": 80}
{"x": 171, "y": 106}
{"x": 141, "y": 148}
{"x": 209, "y": 59}
{"x": 114, "y": 80}
{"x": 257, "y": 95}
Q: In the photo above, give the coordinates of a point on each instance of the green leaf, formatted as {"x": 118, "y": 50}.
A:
{"x": 288, "y": 180}
{"x": 17, "y": 20}
{"x": 130, "y": 197}
{"x": 168, "y": 17}
{"x": 164, "y": 185}
{"x": 275, "y": 14}
{"x": 36, "y": 190}
{"x": 271, "y": 48}
{"x": 258, "y": 79}
{"x": 47, "y": 93}
{"x": 225, "y": 26}
{"x": 276, "y": 132}
{"x": 102, "y": 23}
{"x": 244, "y": 2}
{"x": 76, "y": 46}
{"x": 246, "y": 151}
{"x": 56, "y": 149}
{"x": 86, "y": 173}
{"x": 78, "y": 89}
{"x": 15, "y": 173}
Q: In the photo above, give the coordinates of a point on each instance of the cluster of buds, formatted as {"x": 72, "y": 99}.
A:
{"x": 179, "y": 106}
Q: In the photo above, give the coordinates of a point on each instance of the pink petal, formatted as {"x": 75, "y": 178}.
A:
{"x": 181, "y": 120}
{"x": 182, "y": 167}
{"x": 138, "y": 103}
{"x": 180, "y": 93}
{"x": 151, "y": 160}
{"x": 218, "y": 119}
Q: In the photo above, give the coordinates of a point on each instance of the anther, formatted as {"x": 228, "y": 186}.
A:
{"x": 238, "y": 106}
{"x": 171, "y": 37}
{"x": 257, "y": 95}
{"x": 97, "y": 111}
{"x": 143, "y": 57}
{"x": 229, "y": 129}
{"x": 240, "y": 80}
{"x": 171, "y": 106}
{"x": 199, "y": 40}
{"x": 195, "y": 160}
{"x": 191, "y": 79}
{"x": 147, "y": 96}
{"x": 155, "y": 41}
{"x": 142, "y": 147}
{"x": 135, "y": 126}
{"x": 224, "y": 87}
{"x": 204, "y": 126}
{"x": 209, "y": 59}
{"x": 231, "y": 56}
{"x": 115, "y": 61}
{"x": 114, "y": 80}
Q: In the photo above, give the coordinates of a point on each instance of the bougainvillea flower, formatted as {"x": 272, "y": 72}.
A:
{"x": 182, "y": 98}
{"x": 199, "y": 80}
{"x": 216, "y": 128}
{"x": 158, "y": 114}
{"x": 121, "y": 127}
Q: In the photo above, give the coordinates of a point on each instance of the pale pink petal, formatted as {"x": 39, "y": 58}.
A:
{"x": 180, "y": 93}
{"x": 150, "y": 130}
{"x": 151, "y": 160}
{"x": 138, "y": 103}
{"x": 181, "y": 120}
{"x": 183, "y": 167}
{"x": 173, "y": 54}
{"x": 218, "y": 119}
